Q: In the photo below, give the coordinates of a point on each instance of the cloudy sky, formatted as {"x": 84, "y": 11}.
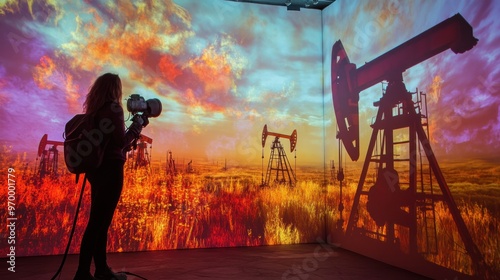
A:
{"x": 223, "y": 69}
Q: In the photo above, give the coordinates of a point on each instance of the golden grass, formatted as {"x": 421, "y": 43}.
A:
{"x": 213, "y": 209}
{"x": 230, "y": 208}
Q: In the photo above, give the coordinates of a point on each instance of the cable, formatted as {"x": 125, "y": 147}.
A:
{"x": 73, "y": 231}
{"x": 74, "y": 226}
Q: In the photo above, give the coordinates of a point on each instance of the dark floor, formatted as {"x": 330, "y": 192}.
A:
{"x": 297, "y": 262}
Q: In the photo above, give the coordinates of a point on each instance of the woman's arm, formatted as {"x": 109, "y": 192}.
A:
{"x": 113, "y": 120}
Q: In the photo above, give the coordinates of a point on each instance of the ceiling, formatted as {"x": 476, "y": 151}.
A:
{"x": 292, "y": 5}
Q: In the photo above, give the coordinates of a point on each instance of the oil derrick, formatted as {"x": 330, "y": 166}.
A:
{"x": 171, "y": 170}
{"x": 332, "y": 171}
{"x": 225, "y": 165}
{"x": 189, "y": 167}
{"x": 49, "y": 158}
{"x": 279, "y": 170}
{"x": 139, "y": 155}
{"x": 401, "y": 201}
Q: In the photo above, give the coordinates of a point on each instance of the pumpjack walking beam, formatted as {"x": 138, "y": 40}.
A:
{"x": 454, "y": 33}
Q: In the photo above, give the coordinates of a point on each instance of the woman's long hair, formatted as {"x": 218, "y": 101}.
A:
{"x": 106, "y": 88}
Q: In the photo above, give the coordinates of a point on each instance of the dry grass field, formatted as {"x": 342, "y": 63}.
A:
{"x": 475, "y": 187}
{"x": 206, "y": 208}
{"x": 219, "y": 208}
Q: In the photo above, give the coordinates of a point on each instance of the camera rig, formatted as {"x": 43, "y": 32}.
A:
{"x": 149, "y": 108}
{"x": 143, "y": 109}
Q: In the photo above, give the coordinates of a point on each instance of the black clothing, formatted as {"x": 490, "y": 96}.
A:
{"x": 109, "y": 119}
{"x": 106, "y": 185}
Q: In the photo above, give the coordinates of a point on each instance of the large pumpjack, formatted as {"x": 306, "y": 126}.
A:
{"x": 400, "y": 196}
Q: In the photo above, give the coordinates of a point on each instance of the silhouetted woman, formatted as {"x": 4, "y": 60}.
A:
{"x": 104, "y": 103}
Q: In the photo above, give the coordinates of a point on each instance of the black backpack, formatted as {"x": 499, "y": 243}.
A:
{"x": 83, "y": 144}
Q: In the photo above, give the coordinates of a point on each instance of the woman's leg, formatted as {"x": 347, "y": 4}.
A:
{"x": 106, "y": 183}
{"x": 109, "y": 196}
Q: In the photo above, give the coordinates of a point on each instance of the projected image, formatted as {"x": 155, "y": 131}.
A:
{"x": 235, "y": 157}
{"x": 376, "y": 122}
{"x": 415, "y": 98}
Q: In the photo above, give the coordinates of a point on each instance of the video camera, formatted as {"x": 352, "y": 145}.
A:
{"x": 142, "y": 108}
{"x": 149, "y": 108}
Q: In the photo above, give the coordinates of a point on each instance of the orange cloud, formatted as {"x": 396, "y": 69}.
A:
{"x": 195, "y": 103}
{"x": 136, "y": 45}
{"x": 211, "y": 76}
{"x": 190, "y": 98}
{"x": 168, "y": 68}
{"x": 43, "y": 72}
{"x": 434, "y": 91}
{"x": 215, "y": 73}
{"x": 72, "y": 94}
{"x": 46, "y": 76}
{"x": 130, "y": 39}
